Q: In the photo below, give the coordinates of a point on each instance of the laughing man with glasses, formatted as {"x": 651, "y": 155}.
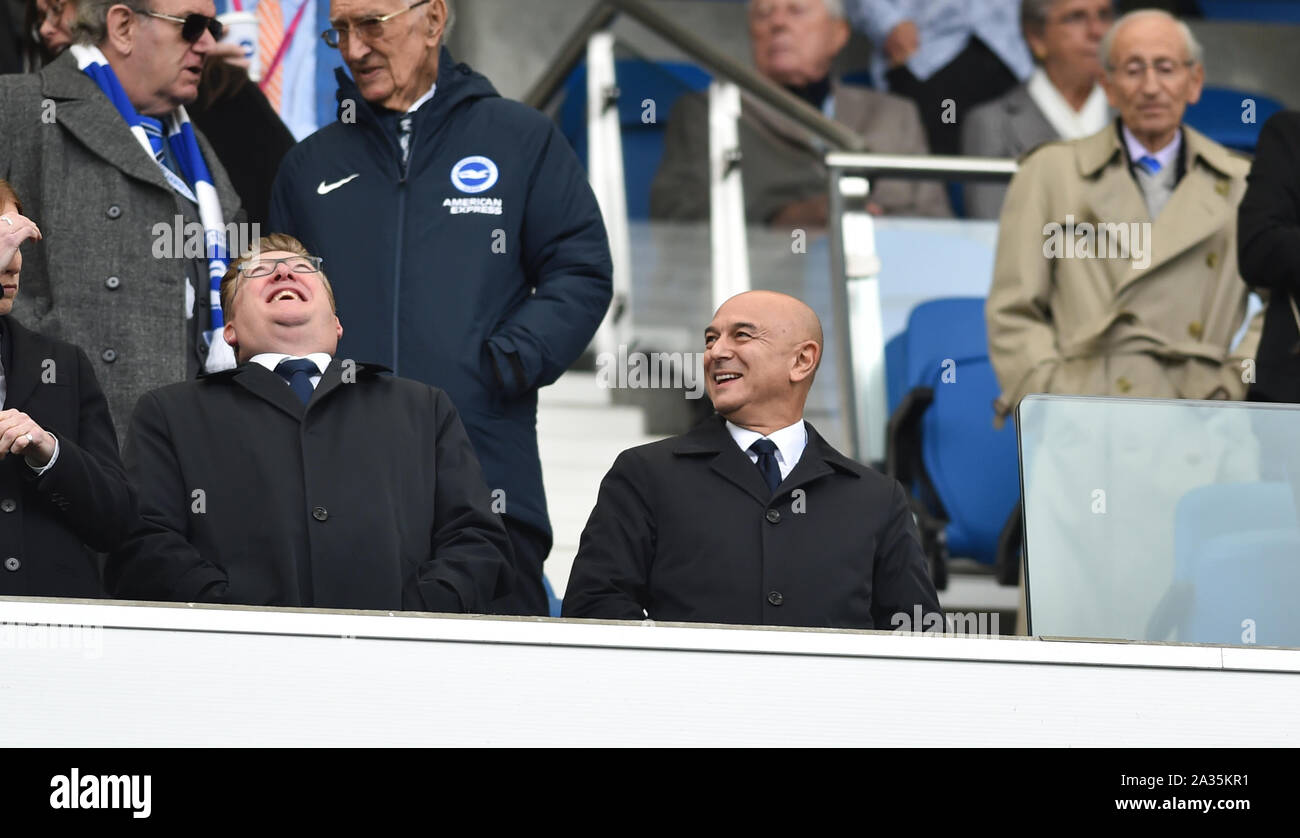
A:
{"x": 462, "y": 239}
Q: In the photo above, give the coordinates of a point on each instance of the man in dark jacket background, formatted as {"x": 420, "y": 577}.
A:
{"x": 63, "y": 493}
{"x": 463, "y": 241}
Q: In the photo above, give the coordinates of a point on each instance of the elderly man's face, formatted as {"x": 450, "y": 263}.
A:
{"x": 163, "y": 70}
{"x": 284, "y": 311}
{"x": 1150, "y": 80}
{"x": 398, "y": 66}
{"x": 795, "y": 40}
{"x": 1070, "y": 37}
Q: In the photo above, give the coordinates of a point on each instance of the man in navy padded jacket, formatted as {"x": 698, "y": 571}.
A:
{"x": 462, "y": 238}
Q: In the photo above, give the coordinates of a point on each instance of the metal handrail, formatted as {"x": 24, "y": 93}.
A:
{"x": 900, "y": 166}
{"x": 703, "y": 53}
{"x": 924, "y": 165}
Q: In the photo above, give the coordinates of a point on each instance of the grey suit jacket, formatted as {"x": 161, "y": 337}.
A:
{"x": 1009, "y": 126}
{"x": 781, "y": 163}
{"x": 103, "y": 277}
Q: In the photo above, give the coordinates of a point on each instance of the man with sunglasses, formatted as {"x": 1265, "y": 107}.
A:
{"x": 303, "y": 478}
{"x": 100, "y": 146}
{"x": 463, "y": 240}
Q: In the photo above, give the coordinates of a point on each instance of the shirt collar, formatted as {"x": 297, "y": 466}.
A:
{"x": 426, "y": 97}
{"x": 271, "y": 360}
{"x": 1136, "y": 151}
{"x": 790, "y": 440}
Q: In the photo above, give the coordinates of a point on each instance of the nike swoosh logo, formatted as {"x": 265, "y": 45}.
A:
{"x": 326, "y": 188}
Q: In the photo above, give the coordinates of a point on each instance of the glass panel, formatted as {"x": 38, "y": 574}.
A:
{"x": 1162, "y": 520}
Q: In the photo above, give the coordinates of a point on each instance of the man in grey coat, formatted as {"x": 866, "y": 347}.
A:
{"x": 782, "y": 168}
{"x": 123, "y": 272}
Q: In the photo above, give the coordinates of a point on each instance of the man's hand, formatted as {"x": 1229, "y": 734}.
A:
{"x": 14, "y": 230}
{"x": 901, "y": 42}
{"x": 19, "y": 434}
{"x": 810, "y": 212}
{"x": 229, "y": 52}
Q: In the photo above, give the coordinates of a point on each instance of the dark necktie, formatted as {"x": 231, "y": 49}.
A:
{"x": 298, "y": 372}
{"x": 766, "y": 451}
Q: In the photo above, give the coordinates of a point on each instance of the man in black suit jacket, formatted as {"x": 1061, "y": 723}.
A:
{"x": 752, "y": 517}
{"x": 302, "y": 479}
{"x": 63, "y": 493}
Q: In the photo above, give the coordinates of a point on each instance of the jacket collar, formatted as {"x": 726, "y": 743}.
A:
{"x": 23, "y": 371}
{"x": 1095, "y": 152}
{"x": 710, "y": 438}
{"x": 271, "y": 388}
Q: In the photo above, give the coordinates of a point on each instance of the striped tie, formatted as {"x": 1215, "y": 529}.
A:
{"x": 270, "y": 32}
{"x": 153, "y": 130}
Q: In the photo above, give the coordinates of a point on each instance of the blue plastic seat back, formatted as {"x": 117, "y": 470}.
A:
{"x": 659, "y": 83}
{"x": 973, "y": 467}
{"x": 1238, "y": 546}
{"x": 1221, "y": 115}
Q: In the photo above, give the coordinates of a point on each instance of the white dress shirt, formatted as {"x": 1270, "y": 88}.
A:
{"x": 790, "y": 443}
{"x": 271, "y": 360}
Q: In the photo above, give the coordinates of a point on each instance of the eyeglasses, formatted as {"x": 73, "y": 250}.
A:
{"x": 192, "y": 26}
{"x": 266, "y": 267}
{"x": 1167, "y": 69}
{"x": 368, "y": 28}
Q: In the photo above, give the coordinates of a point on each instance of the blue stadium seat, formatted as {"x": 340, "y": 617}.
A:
{"x": 662, "y": 82}
{"x": 1219, "y": 114}
{"x": 964, "y": 475}
{"x": 1236, "y": 554}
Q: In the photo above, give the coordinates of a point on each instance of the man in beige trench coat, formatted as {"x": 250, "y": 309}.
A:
{"x": 1116, "y": 271}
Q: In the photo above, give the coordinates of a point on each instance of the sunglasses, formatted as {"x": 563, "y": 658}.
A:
{"x": 193, "y": 26}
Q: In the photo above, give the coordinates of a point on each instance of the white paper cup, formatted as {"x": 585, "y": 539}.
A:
{"x": 241, "y": 28}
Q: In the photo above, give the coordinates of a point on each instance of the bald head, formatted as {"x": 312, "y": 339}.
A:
{"x": 761, "y": 352}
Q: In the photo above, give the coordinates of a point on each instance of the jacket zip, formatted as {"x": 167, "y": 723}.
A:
{"x": 403, "y": 170}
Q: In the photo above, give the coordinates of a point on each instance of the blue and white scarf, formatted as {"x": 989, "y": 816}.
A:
{"x": 194, "y": 183}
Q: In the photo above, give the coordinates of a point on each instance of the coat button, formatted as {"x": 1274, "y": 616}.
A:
{"x": 1222, "y": 187}
{"x": 109, "y": 355}
{"x": 1123, "y": 384}
{"x": 1211, "y": 259}
{"x": 320, "y": 513}
{"x": 114, "y": 212}
{"x": 773, "y": 516}
{"x": 8, "y": 505}
{"x": 112, "y": 283}
{"x": 12, "y": 564}
{"x": 775, "y": 598}
{"x": 1195, "y": 329}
